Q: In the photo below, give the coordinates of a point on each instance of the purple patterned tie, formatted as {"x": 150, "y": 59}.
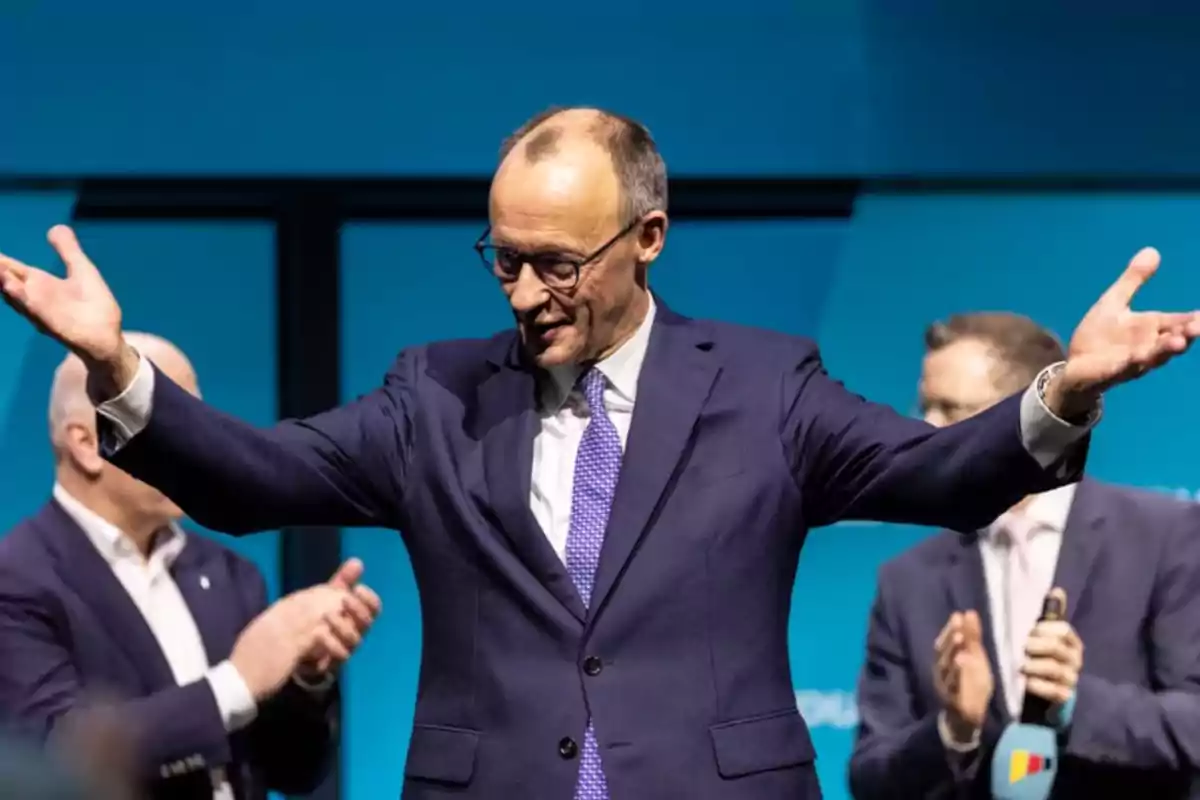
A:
{"x": 596, "y": 468}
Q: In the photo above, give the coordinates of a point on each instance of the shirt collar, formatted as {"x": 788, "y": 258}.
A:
{"x": 622, "y": 368}
{"x": 111, "y": 541}
{"x": 1047, "y": 511}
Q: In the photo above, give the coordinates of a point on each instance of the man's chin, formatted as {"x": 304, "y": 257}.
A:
{"x": 556, "y": 354}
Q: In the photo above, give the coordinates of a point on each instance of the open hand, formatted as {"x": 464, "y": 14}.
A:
{"x": 1114, "y": 344}
{"x": 78, "y": 310}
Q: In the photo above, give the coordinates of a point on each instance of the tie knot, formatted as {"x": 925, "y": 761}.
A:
{"x": 592, "y": 384}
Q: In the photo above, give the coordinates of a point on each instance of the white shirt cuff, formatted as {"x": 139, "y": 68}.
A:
{"x": 320, "y": 686}
{"x": 130, "y": 410}
{"x": 1045, "y": 436}
{"x": 233, "y": 697}
{"x": 948, "y": 740}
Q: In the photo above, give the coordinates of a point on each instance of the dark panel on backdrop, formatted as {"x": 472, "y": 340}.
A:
{"x": 307, "y": 281}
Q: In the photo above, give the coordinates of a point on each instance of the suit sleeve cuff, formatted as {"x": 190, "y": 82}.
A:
{"x": 952, "y": 744}
{"x": 234, "y": 700}
{"x": 129, "y": 412}
{"x": 1047, "y": 437}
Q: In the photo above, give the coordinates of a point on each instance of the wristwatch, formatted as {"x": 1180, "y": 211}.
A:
{"x": 1043, "y": 380}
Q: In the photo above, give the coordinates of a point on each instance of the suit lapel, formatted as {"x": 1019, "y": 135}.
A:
{"x": 674, "y": 384}
{"x": 1081, "y": 541}
{"x": 508, "y": 424}
{"x": 966, "y": 586}
{"x": 210, "y": 597}
{"x": 90, "y": 576}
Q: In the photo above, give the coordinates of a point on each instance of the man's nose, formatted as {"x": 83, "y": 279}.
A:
{"x": 528, "y": 291}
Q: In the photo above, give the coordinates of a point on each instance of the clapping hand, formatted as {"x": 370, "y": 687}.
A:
{"x": 962, "y": 674}
{"x": 345, "y": 629}
{"x": 310, "y": 631}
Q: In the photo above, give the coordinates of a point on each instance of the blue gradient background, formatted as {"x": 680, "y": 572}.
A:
{"x": 797, "y": 87}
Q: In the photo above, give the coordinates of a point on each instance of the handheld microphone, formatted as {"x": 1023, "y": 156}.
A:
{"x": 1026, "y": 757}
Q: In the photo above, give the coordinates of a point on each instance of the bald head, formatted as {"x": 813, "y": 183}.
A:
{"x": 628, "y": 150}
{"x": 69, "y": 403}
{"x": 578, "y": 214}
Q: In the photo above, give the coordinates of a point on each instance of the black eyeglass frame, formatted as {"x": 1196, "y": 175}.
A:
{"x": 544, "y": 273}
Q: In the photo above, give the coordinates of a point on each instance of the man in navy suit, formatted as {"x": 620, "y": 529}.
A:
{"x": 955, "y": 642}
{"x": 604, "y": 507}
{"x": 110, "y": 611}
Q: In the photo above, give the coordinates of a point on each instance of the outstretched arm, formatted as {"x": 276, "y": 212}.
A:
{"x": 345, "y": 467}
{"x": 859, "y": 460}
{"x": 853, "y": 459}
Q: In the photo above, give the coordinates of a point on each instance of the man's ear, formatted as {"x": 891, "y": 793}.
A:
{"x": 651, "y": 237}
{"x": 82, "y": 446}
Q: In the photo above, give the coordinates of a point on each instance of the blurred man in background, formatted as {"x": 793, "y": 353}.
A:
{"x": 111, "y": 616}
{"x": 955, "y": 640}
{"x": 30, "y": 773}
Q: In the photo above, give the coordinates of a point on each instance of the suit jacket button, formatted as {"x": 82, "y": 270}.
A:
{"x": 592, "y": 666}
{"x": 567, "y": 748}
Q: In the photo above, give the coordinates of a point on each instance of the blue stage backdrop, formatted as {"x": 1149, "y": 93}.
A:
{"x": 208, "y": 287}
{"x": 766, "y": 87}
{"x": 865, "y": 288}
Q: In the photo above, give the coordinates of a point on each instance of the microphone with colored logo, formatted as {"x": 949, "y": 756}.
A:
{"x": 1026, "y": 757}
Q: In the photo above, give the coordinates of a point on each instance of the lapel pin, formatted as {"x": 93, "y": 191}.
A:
{"x": 204, "y": 582}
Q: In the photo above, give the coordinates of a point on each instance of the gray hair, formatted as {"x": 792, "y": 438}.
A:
{"x": 69, "y": 401}
{"x": 639, "y": 166}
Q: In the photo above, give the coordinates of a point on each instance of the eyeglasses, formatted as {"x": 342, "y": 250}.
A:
{"x": 558, "y": 271}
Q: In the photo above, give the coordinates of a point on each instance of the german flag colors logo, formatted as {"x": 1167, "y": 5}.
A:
{"x": 1025, "y": 764}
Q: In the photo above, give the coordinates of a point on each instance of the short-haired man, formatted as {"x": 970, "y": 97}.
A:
{"x": 955, "y": 640}
{"x": 108, "y": 609}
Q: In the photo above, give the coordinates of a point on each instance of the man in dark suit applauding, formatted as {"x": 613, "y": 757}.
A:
{"x": 108, "y": 609}
{"x": 955, "y": 641}
{"x": 604, "y": 507}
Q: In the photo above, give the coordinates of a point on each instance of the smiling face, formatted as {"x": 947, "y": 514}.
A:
{"x": 560, "y": 209}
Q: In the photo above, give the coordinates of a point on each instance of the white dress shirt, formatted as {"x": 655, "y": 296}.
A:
{"x": 152, "y": 589}
{"x": 563, "y": 421}
{"x": 1049, "y": 511}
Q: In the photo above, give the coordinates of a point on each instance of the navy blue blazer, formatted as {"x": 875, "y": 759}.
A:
{"x": 739, "y": 443}
{"x": 70, "y": 634}
{"x": 1130, "y": 564}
